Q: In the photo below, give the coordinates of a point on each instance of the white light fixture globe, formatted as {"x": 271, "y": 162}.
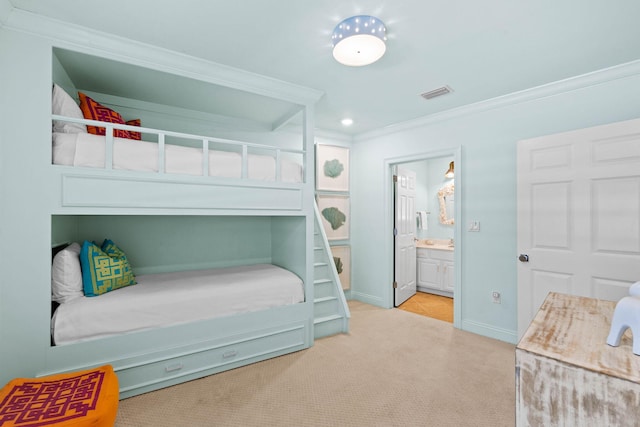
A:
{"x": 359, "y": 40}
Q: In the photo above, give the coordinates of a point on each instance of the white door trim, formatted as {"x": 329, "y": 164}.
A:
{"x": 388, "y": 165}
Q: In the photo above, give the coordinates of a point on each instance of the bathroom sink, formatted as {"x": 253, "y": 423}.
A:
{"x": 440, "y": 244}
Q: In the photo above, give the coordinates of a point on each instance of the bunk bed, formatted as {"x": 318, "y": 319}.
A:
{"x": 175, "y": 322}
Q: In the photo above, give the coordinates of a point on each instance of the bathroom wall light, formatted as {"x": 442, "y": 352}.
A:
{"x": 359, "y": 40}
{"x": 449, "y": 173}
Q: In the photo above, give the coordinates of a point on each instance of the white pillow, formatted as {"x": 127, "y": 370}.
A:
{"x": 64, "y": 105}
{"x": 66, "y": 275}
{"x": 64, "y": 148}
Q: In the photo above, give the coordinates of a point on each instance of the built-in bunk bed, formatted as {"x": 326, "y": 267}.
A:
{"x": 181, "y": 238}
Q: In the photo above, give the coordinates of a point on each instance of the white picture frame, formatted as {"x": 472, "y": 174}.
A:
{"x": 343, "y": 253}
{"x": 335, "y": 215}
{"x": 332, "y": 168}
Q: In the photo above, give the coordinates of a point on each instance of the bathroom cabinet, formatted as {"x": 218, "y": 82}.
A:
{"x": 435, "y": 271}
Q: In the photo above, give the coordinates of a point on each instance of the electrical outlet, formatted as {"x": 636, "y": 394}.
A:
{"x": 497, "y": 299}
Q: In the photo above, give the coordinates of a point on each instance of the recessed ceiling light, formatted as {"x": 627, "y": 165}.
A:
{"x": 346, "y": 122}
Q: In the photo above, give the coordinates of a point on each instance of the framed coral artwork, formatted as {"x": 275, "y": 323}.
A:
{"x": 332, "y": 168}
{"x": 342, "y": 259}
{"x": 334, "y": 214}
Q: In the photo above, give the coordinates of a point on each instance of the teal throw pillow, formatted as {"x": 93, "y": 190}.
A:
{"x": 104, "y": 269}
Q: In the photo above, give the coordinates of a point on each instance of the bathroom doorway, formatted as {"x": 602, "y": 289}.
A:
{"x": 435, "y": 228}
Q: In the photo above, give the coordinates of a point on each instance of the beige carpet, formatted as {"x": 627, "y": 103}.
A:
{"x": 394, "y": 369}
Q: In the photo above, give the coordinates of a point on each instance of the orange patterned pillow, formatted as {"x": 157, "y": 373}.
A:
{"x": 93, "y": 110}
{"x": 134, "y": 135}
{"x": 83, "y": 398}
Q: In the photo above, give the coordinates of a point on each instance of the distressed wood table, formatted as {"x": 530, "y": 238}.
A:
{"x": 567, "y": 375}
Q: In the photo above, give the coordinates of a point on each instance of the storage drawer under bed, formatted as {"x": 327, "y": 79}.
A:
{"x": 210, "y": 358}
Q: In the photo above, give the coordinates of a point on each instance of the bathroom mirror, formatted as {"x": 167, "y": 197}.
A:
{"x": 445, "y": 197}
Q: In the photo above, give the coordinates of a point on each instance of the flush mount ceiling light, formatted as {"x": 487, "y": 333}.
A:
{"x": 346, "y": 121}
{"x": 359, "y": 40}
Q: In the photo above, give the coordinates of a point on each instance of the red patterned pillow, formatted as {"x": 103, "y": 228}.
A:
{"x": 93, "y": 110}
{"x": 134, "y": 135}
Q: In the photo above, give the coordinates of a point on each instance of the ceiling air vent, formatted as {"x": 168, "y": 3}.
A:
{"x": 436, "y": 92}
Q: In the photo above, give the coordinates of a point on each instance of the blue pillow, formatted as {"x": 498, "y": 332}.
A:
{"x": 104, "y": 269}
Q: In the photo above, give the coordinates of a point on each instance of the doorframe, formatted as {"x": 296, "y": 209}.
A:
{"x": 389, "y": 165}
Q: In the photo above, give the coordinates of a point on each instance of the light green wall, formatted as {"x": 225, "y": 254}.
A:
{"x": 5, "y": 9}
{"x": 429, "y": 179}
{"x": 486, "y": 179}
{"x": 156, "y": 244}
{"x": 64, "y": 229}
{"x": 61, "y": 78}
{"x": 288, "y": 244}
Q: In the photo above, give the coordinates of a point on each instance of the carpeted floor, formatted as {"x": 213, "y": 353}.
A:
{"x": 430, "y": 305}
{"x": 393, "y": 369}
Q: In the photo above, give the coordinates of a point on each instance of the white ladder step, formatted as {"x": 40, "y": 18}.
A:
{"x": 326, "y": 319}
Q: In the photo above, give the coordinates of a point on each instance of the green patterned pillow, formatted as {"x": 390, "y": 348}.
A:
{"x": 104, "y": 269}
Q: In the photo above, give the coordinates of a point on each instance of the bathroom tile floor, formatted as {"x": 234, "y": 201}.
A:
{"x": 430, "y": 305}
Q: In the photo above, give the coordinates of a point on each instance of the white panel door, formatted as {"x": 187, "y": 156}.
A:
{"x": 405, "y": 233}
{"x": 578, "y": 215}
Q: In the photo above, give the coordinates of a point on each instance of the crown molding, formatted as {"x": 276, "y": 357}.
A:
{"x": 90, "y": 41}
{"x": 618, "y": 72}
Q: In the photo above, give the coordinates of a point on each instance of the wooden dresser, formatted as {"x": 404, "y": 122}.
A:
{"x": 567, "y": 375}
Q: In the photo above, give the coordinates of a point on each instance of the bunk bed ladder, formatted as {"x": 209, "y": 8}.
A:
{"x": 331, "y": 312}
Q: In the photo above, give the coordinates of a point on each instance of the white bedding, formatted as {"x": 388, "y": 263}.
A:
{"x": 88, "y": 150}
{"x": 160, "y": 300}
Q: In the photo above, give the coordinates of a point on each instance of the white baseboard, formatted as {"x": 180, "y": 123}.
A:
{"x": 490, "y": 331}
{"x": 368, "y": 299}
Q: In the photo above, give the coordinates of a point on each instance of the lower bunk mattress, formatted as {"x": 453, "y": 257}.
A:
{"x": 161, "y": 300}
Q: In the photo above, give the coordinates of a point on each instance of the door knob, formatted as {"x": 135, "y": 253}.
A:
{"x": 523, "y": 258}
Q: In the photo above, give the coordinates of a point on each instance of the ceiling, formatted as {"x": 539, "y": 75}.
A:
{"x": 482, "y": 50}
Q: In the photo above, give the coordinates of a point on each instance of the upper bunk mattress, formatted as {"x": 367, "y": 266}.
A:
{"x": 88, "y": 150}
{"x": 160, "y": 300}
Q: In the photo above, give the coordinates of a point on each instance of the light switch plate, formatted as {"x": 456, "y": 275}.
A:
{"x": 474, "y": 226}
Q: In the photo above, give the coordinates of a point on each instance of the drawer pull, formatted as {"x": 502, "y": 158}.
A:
{"x": 230, "y": 353}
{"x": 174, "y": 367}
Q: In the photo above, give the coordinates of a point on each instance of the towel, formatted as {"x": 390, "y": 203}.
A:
{"x": 422, "y": 220}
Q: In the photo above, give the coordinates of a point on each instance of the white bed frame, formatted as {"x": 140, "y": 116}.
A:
{"x": 153, "y": 359}
{"x": 147, "y": 360}
{"x": 166, "y": 356}
{"x": 96, "y": 187}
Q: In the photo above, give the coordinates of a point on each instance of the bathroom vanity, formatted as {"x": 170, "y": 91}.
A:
{"x": 436, "y": 273}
